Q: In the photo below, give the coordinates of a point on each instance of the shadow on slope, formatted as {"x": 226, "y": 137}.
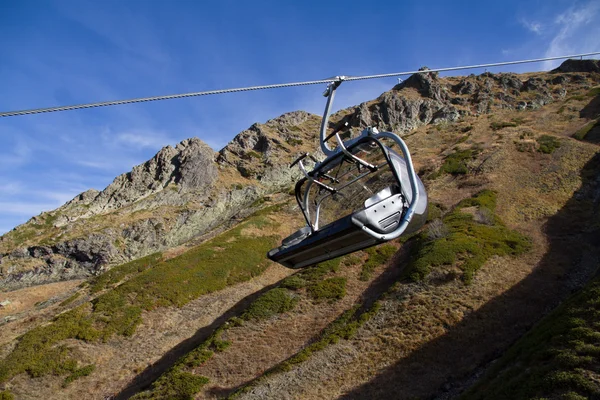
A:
{"x": 154, "y": 371}
{"x": 447, "y": 365}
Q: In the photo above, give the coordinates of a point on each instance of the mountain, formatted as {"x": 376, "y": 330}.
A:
{"x": 158, "y": 286}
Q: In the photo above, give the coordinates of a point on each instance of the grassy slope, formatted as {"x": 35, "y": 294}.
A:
{"x": 558, "y": 359}
{"x": 317, "y": 283}
{"x": 232, "y": 257}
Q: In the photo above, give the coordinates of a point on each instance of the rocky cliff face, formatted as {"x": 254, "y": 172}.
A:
{"x": 428, "y": 99}
{"x": 189, "y": 190}
{"x": 179, "y": 194}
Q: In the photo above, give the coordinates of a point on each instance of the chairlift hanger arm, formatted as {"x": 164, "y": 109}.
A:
{"x": 330, "y": 94}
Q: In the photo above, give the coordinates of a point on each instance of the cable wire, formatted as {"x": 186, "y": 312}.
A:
{"x": 278, "y": 86}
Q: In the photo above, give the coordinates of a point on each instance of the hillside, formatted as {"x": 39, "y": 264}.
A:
{"x": 158, "y": 286}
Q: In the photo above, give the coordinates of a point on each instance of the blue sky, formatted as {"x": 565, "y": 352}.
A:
{"x": 69, "y": 52}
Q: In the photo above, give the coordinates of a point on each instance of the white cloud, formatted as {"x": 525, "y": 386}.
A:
{"x": 532, "y": 26}
{"x": 575, "y": 30}
{"x": 10, "y": 188}
{"x": 60, "y": 197}
{"x": 143, "y": 139}
{"x": 19, "y": 155}
{"x": 24, "y": 208}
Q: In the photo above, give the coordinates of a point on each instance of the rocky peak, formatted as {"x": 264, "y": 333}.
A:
{"x": 190, "y": 165}
{"x": 286, "y": 120}
{"x": 427, "y": 83}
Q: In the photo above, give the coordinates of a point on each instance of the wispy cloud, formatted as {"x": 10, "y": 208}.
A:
{"x": 18, "y": 155}
{"x": 143, "y": 139}
{"x": 575, "y": 30}
{"x": 532, "y": 26}
{"x": 22, "y": 208}
{"x": 10, "y": 188}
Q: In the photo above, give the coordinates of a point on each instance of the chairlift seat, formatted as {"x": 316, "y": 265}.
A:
{"x": 381, "y": 213}
{"x": 340, "y": 237}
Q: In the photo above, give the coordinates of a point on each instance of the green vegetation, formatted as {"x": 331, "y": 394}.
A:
{"x": 294, "y": 142}
{"x": 78, "y": 373}
{"x": 71, "y": 299}
{"x": 559, "y": 358}
{"x": 293, "y": 282}
{"x": 470, "y": 241}
{"x": 581, "y": 134}
{"x": 227, "y": 259}
{"x": 377, "y": 256}
{"x": 175, "y": 385}
{"x": 547, "y": 144}
{"x": 316, "y": 273}
{"x": 496, "y": 126}
{"x": 456, "y": 163}
{"x": 178, "y": 383}
{"x": 6, "y": 395}
{"x": 254, "y": 154}
{"x": 119, "y": 273}
{"x": 434, "y": 211}
{"x": 51, "y": 219}
{"x": 275, "y": 301}
{"x": 594, "y": 92}
{"x": 331, "y": 289}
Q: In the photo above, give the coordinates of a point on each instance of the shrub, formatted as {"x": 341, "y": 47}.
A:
{"x": 468, "y": 242}
{"x": 496, "y": 126}
{"x": 275, "y": 301}
{"x": 120, "y": 272}
{"x": 293, "y": 282}
{"x": 6, "y": 395}
{"x": 70, "y": 299}
{"x": 178, "y": 385}
{"x": 581, "y": 134}
{"x": 332, "y": 289}
{"x": 254, "y": 154}
{"x": 434, "y": 211}
{"x": 78, "y": 373}
{"x": 548, "y": 144}
{"x": 313, "y": 274}
{"x": 456, "y": 163}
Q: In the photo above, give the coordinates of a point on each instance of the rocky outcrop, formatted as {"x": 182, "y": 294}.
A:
{"x": 72, "y": 259}
{"x": 442, "y": 100}
{"x": 579, "y": 66}
{"x": 189, "y": 165}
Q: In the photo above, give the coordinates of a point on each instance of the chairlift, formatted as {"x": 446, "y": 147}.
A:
{"x": 363, "y": 194}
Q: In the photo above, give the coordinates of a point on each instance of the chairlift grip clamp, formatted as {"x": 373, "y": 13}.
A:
{"x": 334, "y": 85}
